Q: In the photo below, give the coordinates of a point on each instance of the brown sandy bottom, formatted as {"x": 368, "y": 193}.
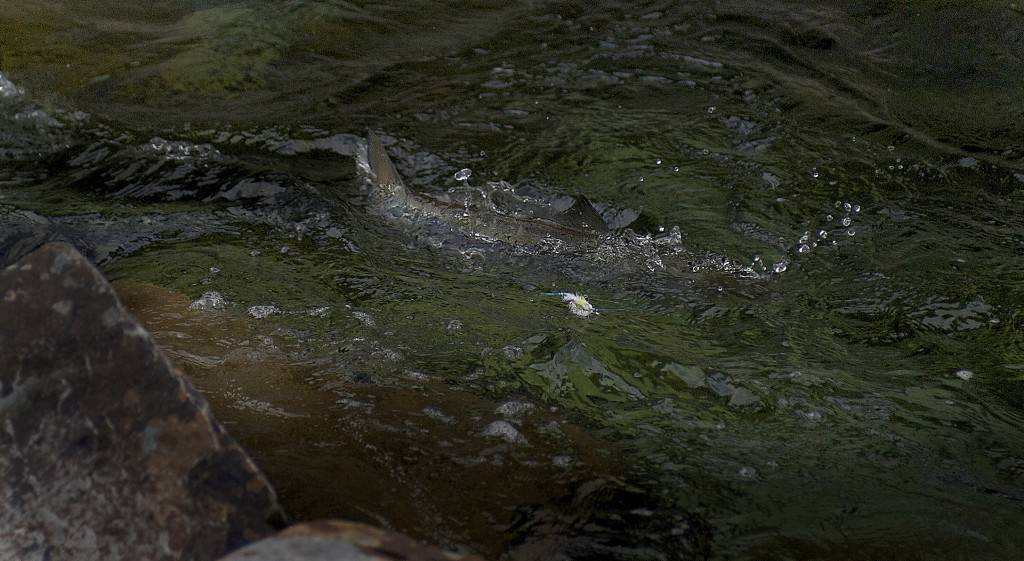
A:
{"x": 413, "y": 458}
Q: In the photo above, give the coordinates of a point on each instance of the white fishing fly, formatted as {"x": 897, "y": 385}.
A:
{"x": 578, "y": 304}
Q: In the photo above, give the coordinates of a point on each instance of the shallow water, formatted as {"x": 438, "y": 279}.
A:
{"x": 828, "y": 363}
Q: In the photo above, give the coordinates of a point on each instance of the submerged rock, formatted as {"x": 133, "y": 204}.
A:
{"x": 211, "y": 300}
{"x": 505, "y": 431}
{"x": 332, "y": 540}
{"x": 106, "y": 451}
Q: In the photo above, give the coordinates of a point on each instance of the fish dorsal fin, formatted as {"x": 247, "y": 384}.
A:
{"x": 380, "y": 163}
{"x": 583, "y": 216}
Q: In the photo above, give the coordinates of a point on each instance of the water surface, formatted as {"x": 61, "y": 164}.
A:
{"x": 827, "y": 363}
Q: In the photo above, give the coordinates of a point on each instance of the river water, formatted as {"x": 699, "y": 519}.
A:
{"x": 825, "y": 362}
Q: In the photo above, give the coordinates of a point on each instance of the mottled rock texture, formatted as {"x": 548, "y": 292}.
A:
{"x": 330, "y": 540}
{"x": 106, "y": 451}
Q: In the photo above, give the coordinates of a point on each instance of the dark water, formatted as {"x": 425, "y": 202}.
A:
{"x": 827, "y": 364}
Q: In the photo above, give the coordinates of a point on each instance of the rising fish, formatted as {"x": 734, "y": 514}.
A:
{"x": 577, "y": 224}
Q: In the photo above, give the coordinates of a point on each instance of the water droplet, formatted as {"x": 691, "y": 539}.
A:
{"x": 757, "y": 258}
{"x": 747, "y": 472}
{"x": 642, "y": 180}
{"x": 838, "y": 204}
{"x": 851, "y": 232}
{"x": 285, "y": 249}
{"x": 658, "y": 161}
{"x": 482, "y": 153}
{"x": 847, "y": 221}
{"x": 822, "y": 234}
{"x": 675, "y": 168}
{"x": 964, "y": 374}
{"x": 780, "y": 267}
{"x": 705, "y": 151}
{"x": 814, "y": 173}
{"x": 804, "y": 248}
{"x": 856, "y": 208}
{"x": 890, "y": 147}
{"x": 829, "y": 217}
{"x": 463, "y": 174}
{"x": 847, "y": 207}
{"x": 214, "y": 270}
{"x": 661, "y": 228}
{"x": 711, "y": 109}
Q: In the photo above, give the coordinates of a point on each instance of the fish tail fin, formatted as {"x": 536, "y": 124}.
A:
{"x": 381, "y": 165}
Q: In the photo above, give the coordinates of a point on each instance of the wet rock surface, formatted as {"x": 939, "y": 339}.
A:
{"x": 106, "y": 451}
{"x": 333, "y": 540}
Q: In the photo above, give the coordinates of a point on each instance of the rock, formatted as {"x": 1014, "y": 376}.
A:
{"x": 21, "y": 232}
{"x": 330, "y": 540}
{"x": 690, "y": 375}
{"x": 505, "y": 431}
{"x": 106, "y": 451}
{"x": 743, "y": 397}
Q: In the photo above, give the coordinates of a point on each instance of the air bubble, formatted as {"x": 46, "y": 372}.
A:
{"x": 711, "y": 109}
{"x": 847, "y": 207}
{"x": 804, "y": 248}
{"x": 463, "y": 174}
{"x": 822, "y": 234}
{"x": 890, "y": 147}
{"x": 851, "y": 232}
{"x": 814, "y": 173}
{"x": 642, "y": 180}
{"x": 780, "y": 267}
{"x": 829, "y": 217}
{"x": 675, "y": 168}
{"x": 856, "y": 208}
{"x": 658, "y": 161}
{"x": 847, "y": 221}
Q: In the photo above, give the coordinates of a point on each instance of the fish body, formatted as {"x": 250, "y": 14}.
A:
{"x": 577, "y": 224}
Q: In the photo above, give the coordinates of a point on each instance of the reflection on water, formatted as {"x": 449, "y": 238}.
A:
{"x": 807, "y": 344}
